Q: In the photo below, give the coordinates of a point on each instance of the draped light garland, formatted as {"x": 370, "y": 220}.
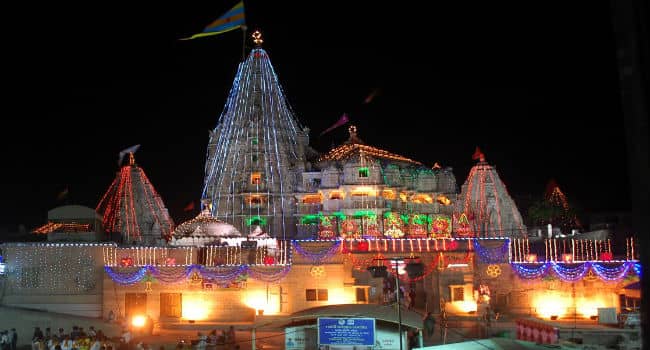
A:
{"x": 319, "y": 255}
{"x": 493, "y": 255}
{"x": 223, "y": 275}
{"x": 608, "y": 272}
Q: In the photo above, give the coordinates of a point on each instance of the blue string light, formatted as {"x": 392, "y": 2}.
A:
{"x": 126, "y": 277}
{"x": 570, "y": 272}
{"x": 318, "y": 256}
{"x": 494, "y": 255}
{"x": 637, "y": 269}
{"x": 539, "y": 271}
{"x": 256, "y": 109}
{"x": 221, "y": 275}
{"x": 611, "y": 273}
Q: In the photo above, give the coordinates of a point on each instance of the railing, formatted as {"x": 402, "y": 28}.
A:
{"x": 367, "y": 204}
{"x": 261, "y": 187}
{"x": 333, "y": 205}
{"x": 309, "y": 208}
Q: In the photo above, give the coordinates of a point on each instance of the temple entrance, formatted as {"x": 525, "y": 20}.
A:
{"x": 171, "y": 305}
{"x": 135, "y": 304}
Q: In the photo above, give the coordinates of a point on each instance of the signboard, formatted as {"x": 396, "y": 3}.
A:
{"x": 346, "y": 331}
{"x": 300, "y": 338}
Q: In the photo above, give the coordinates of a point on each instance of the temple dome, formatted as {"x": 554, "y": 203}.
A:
{"x": 205, "y": 225}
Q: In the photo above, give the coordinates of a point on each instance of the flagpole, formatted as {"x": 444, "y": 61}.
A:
{"x": 243, "y": 44}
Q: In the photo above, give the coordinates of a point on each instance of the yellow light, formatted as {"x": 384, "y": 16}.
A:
{"x": 388, "y": 194}
{"x": 589, "y": 307}
{"x": 138, "y": 321}
{"x": 443, "y": 200}
{"x": 462, "y": 306}
{"x": 339, "y": 296}
{"x": 421, "y": 198}
{"x": 551, "y": 303}
{"x": 257, "y": 299}
{"x": 195, "y": 308}
{"x": 364, "y": 190}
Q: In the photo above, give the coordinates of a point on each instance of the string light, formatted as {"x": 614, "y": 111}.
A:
{"x": 51, "y": 268}
{"x": 483, "y": 182}
{"x": 120, "y": 212}
{"x": 256, "y": 110}
{"x": 608, "y": 272}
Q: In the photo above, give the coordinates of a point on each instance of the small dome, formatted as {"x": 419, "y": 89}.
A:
{"x": 205, "y": 225}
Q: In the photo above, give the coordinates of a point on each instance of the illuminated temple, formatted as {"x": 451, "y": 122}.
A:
{"x": 283, "y": 229}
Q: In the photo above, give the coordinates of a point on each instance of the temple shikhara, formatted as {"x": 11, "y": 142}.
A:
{"x": 283, "y": 229}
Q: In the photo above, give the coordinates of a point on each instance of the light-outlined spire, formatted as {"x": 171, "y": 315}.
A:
{"x": 255, "y": 151}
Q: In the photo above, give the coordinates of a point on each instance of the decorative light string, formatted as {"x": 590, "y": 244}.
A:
{"x": 256, "y": 110}
{"x": 606, "y": 271}
{"x": 494, "y": 255}
{"x": 219, "y": 275}
{"x": 319, "y": 255}
{"x": 129, "y": 197}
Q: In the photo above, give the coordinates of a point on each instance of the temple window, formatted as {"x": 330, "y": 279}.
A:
{"x": 457, "y": 293}
{"x": 388, "y": 194}
{"x": 364, "y": 172}
{"x": 256, "y": 178}
{"x": 443, "y": 200}
{"x": 316, "y": 294}
{"x": 421, "y": 198}
{"x": 254, "y": 141}
{"x": 255, "y": 200}
{"x": 312, "y": 198}
{"x": 336, "y": 195}
{"x": 254, "y": 157}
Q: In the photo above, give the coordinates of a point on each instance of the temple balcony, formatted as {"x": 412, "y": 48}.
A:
{"x": 366, "y": 203}
{"x": 253, "y": 188}
{"x": 309, "y": 208}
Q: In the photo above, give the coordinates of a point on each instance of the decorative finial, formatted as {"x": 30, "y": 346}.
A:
{"x": 257, "y": 38}
{"x": 131, "y": 159}
{"x": 353, "y": 131}
{"x": 478, "y": 155}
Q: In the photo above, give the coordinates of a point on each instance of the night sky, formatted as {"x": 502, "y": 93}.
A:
{"x": 534, "y": 85}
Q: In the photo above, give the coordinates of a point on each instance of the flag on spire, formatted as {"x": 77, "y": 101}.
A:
{"x": 372, "y": 96}
{"x": 344, "y": 119}
{"x": 478, "y": 155}
{"x": 189, "y": 206}
{"x": 230, "y": 20}
{"x": 63, "y": 194}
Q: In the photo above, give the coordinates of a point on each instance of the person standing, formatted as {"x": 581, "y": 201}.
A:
{"x": 13, "y": 337}
{"x": 429, "y": 324}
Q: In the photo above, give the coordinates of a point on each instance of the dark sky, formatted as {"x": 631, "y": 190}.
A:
{"x": 534, "y": 84}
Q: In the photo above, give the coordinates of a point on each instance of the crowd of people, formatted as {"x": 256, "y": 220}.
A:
{"x": 224, "y": 339}
{"x": 77, "y": 339}
{"x": 8, "y": 339}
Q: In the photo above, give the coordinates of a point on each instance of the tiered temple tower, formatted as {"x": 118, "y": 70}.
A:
{"x": 255, "y": 153}
{"x": 132, "y": 207}
{"x": 485, "y": 205}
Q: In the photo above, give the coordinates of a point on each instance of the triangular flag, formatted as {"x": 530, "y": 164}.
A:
{"x": 344, "y": 119}
{"x": 189, "y": 206}
{"x": 230, "y": 20}
{"x": 478, "y": 155}
{"x": 63, "y": 194}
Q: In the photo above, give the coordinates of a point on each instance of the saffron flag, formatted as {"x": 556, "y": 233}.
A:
{"x": 230, "y": 20}
{"x": 189, "y": 207}
{"x": 344, "y": 119}
{"x": 63, "y": 194}
{"x": 372, "y": 96}
{"x": 478, "y": 155}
